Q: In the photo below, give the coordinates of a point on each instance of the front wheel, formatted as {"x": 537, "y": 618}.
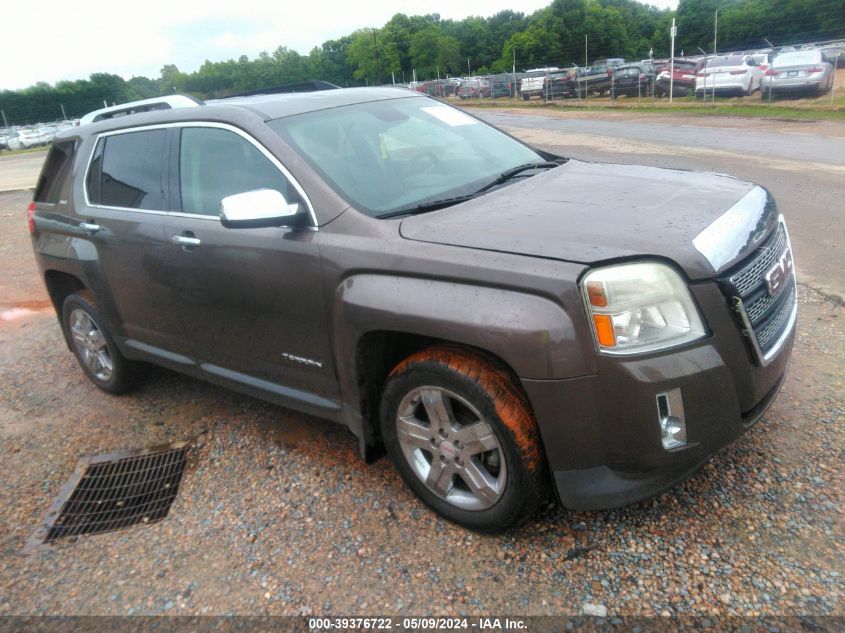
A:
{"x": 94, "y": 347}
{"x": 463, "y": 438}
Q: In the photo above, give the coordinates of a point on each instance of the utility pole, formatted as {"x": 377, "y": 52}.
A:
{"x": 5, "y": 122}
{"x": 715, "y": 33}
{"x": 378, "y": 70}
{"x": 513, "y": 50}
{"x": 64, "y": 116}
{"x": 586, "y": 64}
{"x": 674, "y": 34}
{"x": 469, "y": 72}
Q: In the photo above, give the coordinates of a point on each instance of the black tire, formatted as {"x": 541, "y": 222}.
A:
{"x": 492, "y": 392}
{"x": 525, "y": 97}
{"x": 124, "y": 375}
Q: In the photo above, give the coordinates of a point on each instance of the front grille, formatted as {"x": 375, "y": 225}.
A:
{"x": 768, "y": 334}
{"x": 753, "y": 270}
{"x": 763, "y": 317}
{"x": 109, "y": 492}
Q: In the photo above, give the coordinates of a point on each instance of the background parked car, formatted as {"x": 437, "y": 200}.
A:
{"x": 474, "y": 89}
{"x": 24, "y": 139}
{"x": 729, "y": 74}
{"x": 683, "y": 71}
{"x": 596, "y": 79}
{"x": 633, "y": 79}
{"x": 534, "y": 81}
{"x": 835, "y": 54}
{"x": 799, "y": 71}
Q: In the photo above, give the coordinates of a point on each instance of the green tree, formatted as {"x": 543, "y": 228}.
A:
{"x": 372, "y": 60}
{"x": 432, "y": 51}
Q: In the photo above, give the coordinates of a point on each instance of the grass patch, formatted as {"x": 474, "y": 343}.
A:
{"x": 783, "y": 109}
{"x": 17, "y": 152}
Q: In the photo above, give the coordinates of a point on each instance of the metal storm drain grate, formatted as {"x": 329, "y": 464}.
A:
{"x": 113, "y": 491}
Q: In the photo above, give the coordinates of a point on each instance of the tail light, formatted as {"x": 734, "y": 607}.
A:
{"x": 701, "y": 74}
{"x": 30, "y": 217}
{"x": 814, "y": 69}
{"x": 771, "y": 73}
{"x": 642, "y": 76}
{"x": 738, "y": 72}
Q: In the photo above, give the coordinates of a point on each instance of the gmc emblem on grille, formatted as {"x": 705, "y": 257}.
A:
{"x": 778, "y": 275}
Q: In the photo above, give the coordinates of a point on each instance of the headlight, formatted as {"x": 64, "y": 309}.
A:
{"x": 640, "y": 307}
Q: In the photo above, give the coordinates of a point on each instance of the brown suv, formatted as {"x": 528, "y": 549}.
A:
{"x": 499, "y": 319}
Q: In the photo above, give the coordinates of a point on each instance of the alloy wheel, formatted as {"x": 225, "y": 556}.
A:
{"x": 451, "y": 448}
{"x": 91, "y": 345}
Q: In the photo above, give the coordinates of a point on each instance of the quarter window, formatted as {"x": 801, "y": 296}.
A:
{"x": 215, "y": 163}
{"x": 126, "y": 170}
{"x": 54, "y": 175}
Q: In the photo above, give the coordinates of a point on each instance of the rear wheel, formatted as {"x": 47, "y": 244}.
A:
{"x": 463, "y": 438}
{"x": 94, "y": 347}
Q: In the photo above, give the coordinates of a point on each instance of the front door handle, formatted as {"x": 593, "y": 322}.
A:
{"x": 89, "y": 227}
{"x": 184, "y": 240}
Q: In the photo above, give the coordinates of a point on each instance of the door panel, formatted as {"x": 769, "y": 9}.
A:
{"x": 123, "y": 217}
{"x": 250, "y": 299}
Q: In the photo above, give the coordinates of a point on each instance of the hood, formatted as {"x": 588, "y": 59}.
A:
{"x": 589, "y": 212}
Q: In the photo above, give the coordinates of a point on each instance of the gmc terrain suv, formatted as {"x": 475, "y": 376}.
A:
{"x": 501, "y": 320}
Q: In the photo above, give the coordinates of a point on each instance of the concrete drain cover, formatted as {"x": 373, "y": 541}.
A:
{"x": 113, "y": 491}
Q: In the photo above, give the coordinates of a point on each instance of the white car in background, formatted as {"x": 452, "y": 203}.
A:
{"x": 729, "y": 74}
{"x": 24, "y": 139}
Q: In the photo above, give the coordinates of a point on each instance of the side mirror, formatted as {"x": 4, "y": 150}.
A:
{"x": 256, "y": 209}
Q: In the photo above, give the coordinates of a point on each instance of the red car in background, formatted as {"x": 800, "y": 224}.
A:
{"x": 684, "y": 77}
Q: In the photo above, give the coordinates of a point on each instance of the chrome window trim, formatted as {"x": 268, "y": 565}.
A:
{"x": 182, "y": 124}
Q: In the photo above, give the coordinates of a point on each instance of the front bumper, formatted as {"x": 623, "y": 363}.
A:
{"x": 601, "y": 433}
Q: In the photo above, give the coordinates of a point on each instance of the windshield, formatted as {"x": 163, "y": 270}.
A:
{"x": 724, "y": 62}
{"x": 684, "y": 66}
{"x": 797, "y": 58}
{"x": 383, "y": 156}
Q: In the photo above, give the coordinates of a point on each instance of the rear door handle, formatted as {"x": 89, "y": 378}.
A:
{"x": 184, "y": 240}
{"x": 89, "y": 227}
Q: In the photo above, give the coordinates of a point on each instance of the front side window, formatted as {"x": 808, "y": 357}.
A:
{"x": 216, "y": 163}
{"x": 126, "y": 170}
{"x": 385, "y": 156}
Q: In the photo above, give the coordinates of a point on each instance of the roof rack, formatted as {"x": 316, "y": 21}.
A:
{"x": 300, "y": 86}
{"x": 144, "y": 105}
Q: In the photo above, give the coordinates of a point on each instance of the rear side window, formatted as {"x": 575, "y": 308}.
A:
{"x": 56, "y": 171}
{"x": 215, "y": 163}
{"x": 126, "y": 170}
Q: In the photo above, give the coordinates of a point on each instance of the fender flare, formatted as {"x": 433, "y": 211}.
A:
{"x": 534, "y": 335}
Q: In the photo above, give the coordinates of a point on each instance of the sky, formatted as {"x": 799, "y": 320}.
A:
{"x": 54, "y": 40}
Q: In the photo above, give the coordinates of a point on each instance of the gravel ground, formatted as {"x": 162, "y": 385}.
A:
{"x": 277, "y": 515}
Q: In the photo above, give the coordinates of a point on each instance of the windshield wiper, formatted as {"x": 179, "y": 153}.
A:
{"x": 510, "y": 173}
{"x": 448, "y": 202}
{"x": 427, "y": 206}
